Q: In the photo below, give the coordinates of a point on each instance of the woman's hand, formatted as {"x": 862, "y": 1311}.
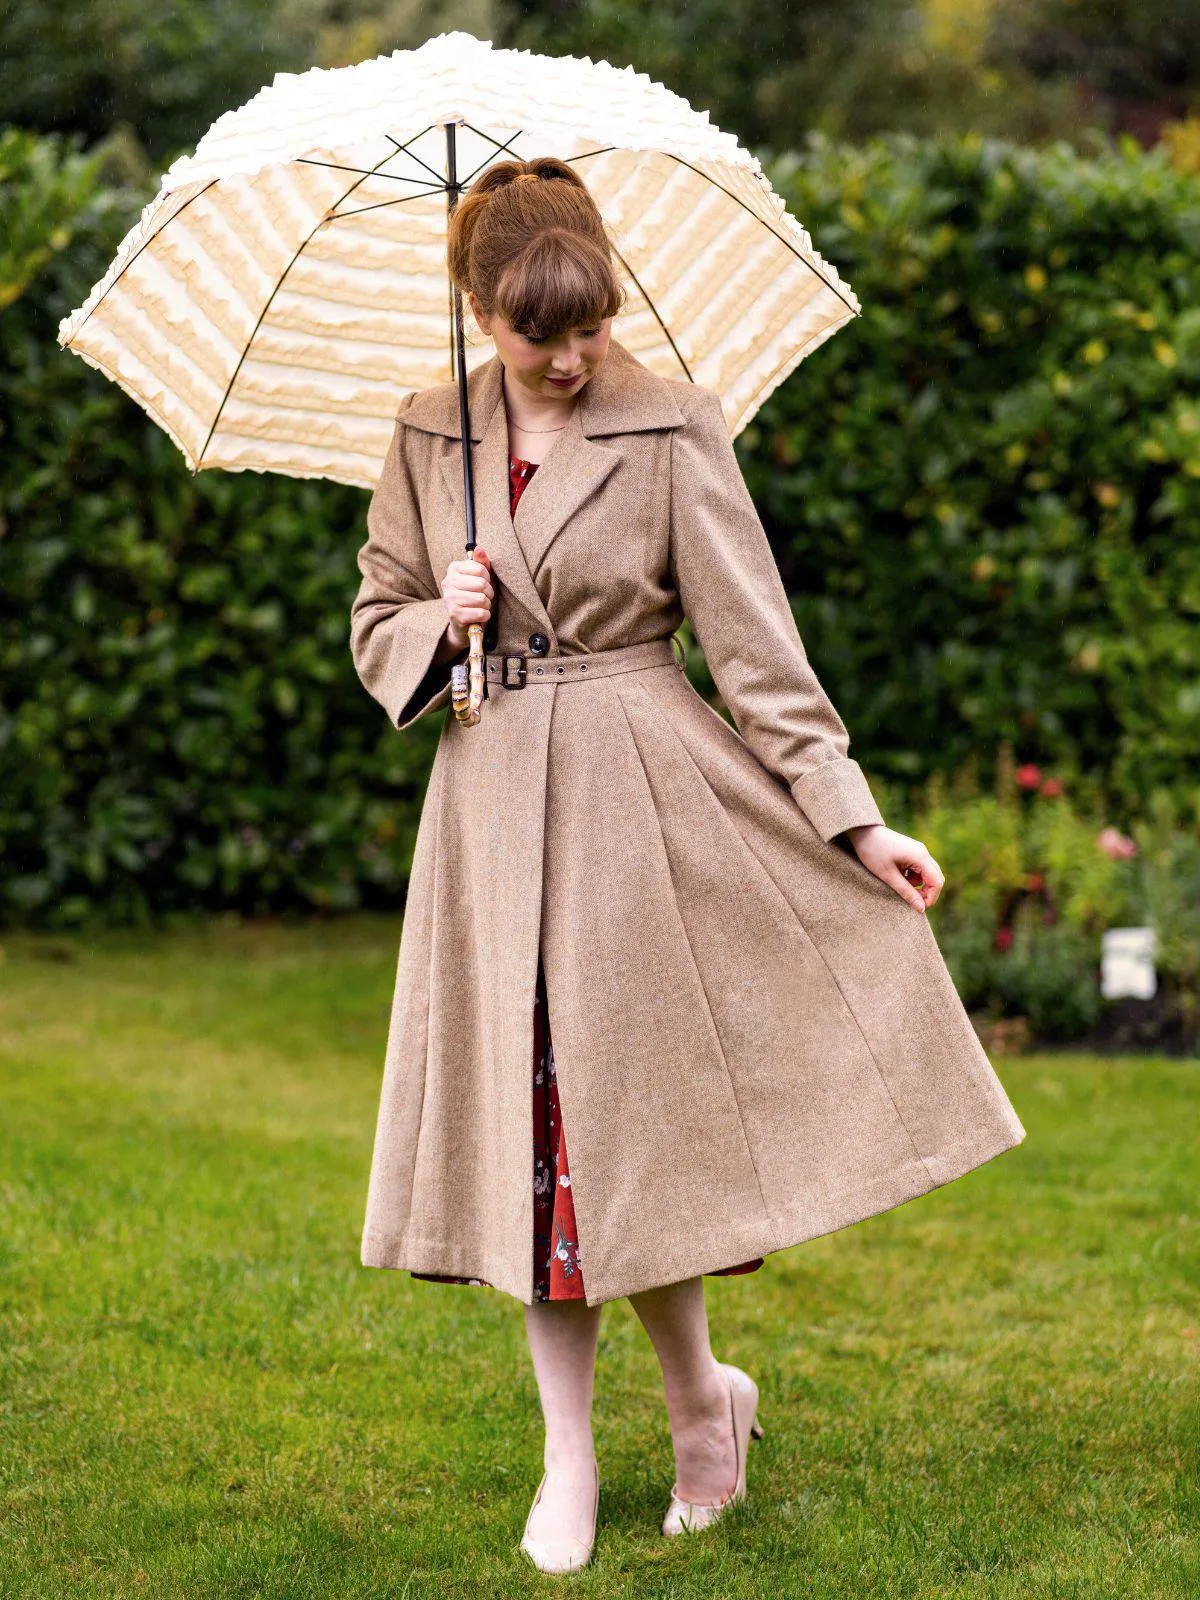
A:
{"x": 902, "y": 863}
{"x": 468, "y": 593}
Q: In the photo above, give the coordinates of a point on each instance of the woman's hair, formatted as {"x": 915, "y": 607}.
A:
{"x": 528, "y": 240}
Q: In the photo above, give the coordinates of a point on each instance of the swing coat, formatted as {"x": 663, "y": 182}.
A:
{"x": 756, "y": 1040}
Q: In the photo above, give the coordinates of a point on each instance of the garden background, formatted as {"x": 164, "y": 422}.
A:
{"x": 984, "y": 496}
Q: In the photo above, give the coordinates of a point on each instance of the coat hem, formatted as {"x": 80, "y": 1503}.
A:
{"x": 797, "y": 1226}
{"x": 786, "y": 1230}
{"x": 442, "y": 1257}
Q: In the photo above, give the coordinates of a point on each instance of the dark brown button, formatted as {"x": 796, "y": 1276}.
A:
{"x": 538, "y": 644}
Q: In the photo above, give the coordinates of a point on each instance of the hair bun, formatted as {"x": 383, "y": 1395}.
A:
{"x": 522, "y": 176}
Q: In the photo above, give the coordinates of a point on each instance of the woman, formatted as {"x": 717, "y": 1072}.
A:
{"x": 705, "y": 945}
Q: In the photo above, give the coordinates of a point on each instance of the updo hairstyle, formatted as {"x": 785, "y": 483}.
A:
{"x": 529, "y": 241}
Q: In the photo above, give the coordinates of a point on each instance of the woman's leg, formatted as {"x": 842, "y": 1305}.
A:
{"x": 562, "y": 1341}
{"x": 697, "y": 1392}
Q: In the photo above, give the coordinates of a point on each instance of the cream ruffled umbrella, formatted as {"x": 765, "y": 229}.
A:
{"x": 287, "y": 286}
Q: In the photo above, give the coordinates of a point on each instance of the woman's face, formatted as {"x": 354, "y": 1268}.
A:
{"x": 556, "y": 368}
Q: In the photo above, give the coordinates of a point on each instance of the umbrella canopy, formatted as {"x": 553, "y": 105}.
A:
{"x": 287, "y": 286}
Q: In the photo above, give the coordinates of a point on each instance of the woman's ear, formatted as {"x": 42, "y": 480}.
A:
{"x": 482, "y": 321}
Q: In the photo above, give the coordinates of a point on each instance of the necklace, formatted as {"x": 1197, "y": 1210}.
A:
{"x": 523, "y": 429}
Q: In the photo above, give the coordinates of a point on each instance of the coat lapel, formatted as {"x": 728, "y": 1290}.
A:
{"x": 622, "y": 396}
{"x": 573, "y": 470}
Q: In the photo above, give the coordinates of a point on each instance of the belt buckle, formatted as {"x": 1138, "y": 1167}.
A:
{"x": 508, "y": 679}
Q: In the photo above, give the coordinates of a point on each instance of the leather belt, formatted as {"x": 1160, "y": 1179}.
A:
{"x": 517, "y": 671}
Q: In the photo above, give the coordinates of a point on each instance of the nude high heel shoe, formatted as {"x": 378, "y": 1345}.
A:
{"x": 567, "y": 1555}
{"x": 689, "y": 1516}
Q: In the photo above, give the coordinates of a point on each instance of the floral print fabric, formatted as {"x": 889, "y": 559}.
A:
{"x": 557, "y": 1270}
{"x": 519, "y": 474}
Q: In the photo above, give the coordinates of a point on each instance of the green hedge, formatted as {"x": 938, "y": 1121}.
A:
{"x": 986, "y": 491}
{"x": 983, "y": 494}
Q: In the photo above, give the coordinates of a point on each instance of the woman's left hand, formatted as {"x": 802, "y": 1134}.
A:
{"x": 902, "y": 863}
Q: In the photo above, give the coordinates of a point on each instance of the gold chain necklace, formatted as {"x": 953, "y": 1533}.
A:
{"x": 520, "y": 426}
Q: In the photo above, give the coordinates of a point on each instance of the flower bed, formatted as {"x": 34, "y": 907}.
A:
{"x": 1035, "y": 874}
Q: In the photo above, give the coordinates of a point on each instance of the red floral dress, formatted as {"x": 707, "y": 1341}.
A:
{"x": 557, "y": 1271}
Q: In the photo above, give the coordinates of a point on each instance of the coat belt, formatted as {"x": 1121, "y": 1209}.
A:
{"x": 516, "y": 671}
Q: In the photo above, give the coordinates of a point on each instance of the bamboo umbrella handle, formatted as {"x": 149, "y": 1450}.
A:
{"x": 466, "y": 680}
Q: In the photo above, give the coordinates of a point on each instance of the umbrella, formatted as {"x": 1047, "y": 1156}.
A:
{"x": 287, "y": 286}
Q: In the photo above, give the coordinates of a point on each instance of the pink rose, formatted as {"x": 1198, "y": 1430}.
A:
{"x": 1028, "y": 776}
{"x": 1119, "y": 846}
{"x": 1003, "y": 938}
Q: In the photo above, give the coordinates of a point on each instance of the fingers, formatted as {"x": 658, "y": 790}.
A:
{"x": 896, "y": 880}
{"x": 904, "y": 864}
{"x": 467, "y": 590}
{"x": 468, "y": 600}
{"x": 922, "y": 873}
{"x": 471, "y": 576}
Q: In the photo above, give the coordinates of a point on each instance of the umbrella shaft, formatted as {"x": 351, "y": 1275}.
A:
{"x": 464, "y": 411}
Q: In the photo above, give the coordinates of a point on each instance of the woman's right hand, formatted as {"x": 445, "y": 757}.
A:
{"x": 468, "y": 593}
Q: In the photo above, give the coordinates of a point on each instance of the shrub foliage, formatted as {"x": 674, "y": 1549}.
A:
{"x": 985, "y": 492}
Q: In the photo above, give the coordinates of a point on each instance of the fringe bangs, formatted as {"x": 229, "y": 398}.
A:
{"x": 562, "y": 280}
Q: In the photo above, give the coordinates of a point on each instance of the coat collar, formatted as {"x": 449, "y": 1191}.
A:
{"x": 622, "y": 396}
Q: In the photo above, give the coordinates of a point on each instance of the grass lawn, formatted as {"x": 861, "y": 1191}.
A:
{"x": 990, "y": 1391}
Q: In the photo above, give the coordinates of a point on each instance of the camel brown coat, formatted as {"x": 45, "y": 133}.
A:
{"x": 757, "y": 1041}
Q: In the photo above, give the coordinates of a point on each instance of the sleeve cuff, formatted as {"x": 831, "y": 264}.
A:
{"x": 417, "y": 684}
{"x": 431, "y": 694}
{"x": 835, "y": 796}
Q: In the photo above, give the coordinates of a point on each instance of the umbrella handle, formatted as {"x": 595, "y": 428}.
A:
{"x": 466, "y": 680}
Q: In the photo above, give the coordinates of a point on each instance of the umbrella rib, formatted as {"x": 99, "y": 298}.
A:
{"x": 798, "y": 253}
{"x": 585, "y": 154}
{"x": 500, "y": 150}
{"x": 490, "y": 138}
{"x": 378, "y": 205}
{"x": 653, "y": 312}
{"x": 143, "y": 246}
{"x": 433, "y": 172}
{"x": 438, "y": 188}
{"x": 338, "y": 166}
{"x": 270, "y": 299}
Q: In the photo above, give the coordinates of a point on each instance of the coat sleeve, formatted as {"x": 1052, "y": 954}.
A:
{"x": 398, "y": 616}
{"x": 730, "y": 588}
